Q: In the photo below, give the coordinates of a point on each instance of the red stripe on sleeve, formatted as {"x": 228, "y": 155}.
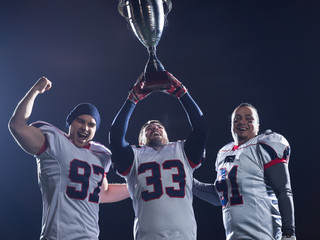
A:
{"x": 193, "y": 165}
{"x": 125, "y": 173}
{"x": 43, "y": 148}
{"x": 273, "y": 162}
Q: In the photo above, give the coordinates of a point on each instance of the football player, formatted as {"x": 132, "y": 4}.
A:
{"x": 159, "y": 172}
{"x": 253, "y": 182}
{"x": 71, "y": 168}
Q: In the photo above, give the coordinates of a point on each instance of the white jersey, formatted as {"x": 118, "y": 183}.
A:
{"x": 69, "y": 179}
{"x": 160, "y": 185}
{"x": 249, "y": 206}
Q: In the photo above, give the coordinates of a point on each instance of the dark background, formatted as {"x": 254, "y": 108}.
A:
{"x": 225, "y": 52}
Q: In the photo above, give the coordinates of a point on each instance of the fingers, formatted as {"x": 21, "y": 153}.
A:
{"x": 174, "y": 80}
{"x": 141, "y": 78}
{"x": 43, "y": 84}
{"x": 49, "y": 85}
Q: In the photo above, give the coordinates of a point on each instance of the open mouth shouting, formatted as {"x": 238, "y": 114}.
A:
{"x": 156, "y": 134}
{"x": 82, "y": 136}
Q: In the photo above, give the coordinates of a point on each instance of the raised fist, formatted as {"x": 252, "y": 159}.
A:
{"x": 42, "y": 85}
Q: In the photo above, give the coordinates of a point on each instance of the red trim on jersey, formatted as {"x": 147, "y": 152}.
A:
{"x": 44, "y": 147}
{"x": 235, "y": 147}
{"x": 125, "y": 173}
{"x": 274, "y": 162}
{"x": 193, "y": 165}
{"x": 87, "y": 146}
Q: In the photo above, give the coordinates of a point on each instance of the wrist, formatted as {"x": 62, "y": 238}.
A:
{"x": 180, "y": 91}
{"x": 288, "y": 237}
{"x": 288, "y": 233}
{"x": 133, "y": 97}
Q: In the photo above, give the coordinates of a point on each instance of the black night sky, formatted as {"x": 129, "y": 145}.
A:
{"x": 225, "y": 52}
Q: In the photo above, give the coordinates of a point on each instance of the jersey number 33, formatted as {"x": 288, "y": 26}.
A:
{"x": 157, "y": 182}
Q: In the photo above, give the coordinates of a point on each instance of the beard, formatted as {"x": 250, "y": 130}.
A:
{"x": 157, "y": 142}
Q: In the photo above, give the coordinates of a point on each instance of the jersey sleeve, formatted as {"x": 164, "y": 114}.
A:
{"x": 193, "y": 164}
{"x": 53, "y": 137}
{"x": 274, "y": 148}
{"x": 103, "y": 152}
{"x": 225, "y": 148}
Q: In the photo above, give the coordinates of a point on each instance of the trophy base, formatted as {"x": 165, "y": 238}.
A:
{"x": 157, "y": 80}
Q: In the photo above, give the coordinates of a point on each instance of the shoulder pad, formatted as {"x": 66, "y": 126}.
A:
{"x": 98, "y": 147}
{"x": 268, "y": 131}
{"x": 47, "y": 127}
{"x": 227, "y": 147}
{"x": 275, "y": 144}
{"x": 39, "y": 124}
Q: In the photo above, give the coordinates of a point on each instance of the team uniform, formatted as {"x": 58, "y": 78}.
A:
{"x": 160, "y": 181}
{"x": 249, "y": 205}
{"x": 69, "y": 179}
{"x": 160, "y": 185}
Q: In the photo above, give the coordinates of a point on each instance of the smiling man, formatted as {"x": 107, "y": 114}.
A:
{"x": 245, "y": 124}
{"x": 71, "y": 168}
{"x": 253, "y": 182}
{"x": 159, "y": 172}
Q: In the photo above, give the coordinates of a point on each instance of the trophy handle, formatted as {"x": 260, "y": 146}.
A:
{"x": 168, "y": 9}
{"x": 121, "y": 5}
{"x": 125, "y": 3}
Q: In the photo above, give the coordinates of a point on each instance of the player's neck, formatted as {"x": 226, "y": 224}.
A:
{"x": 156, "y": 145}
{"x": 238, "y": 142}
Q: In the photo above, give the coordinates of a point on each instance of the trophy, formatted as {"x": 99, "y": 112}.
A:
{"x": 147, "y": 19}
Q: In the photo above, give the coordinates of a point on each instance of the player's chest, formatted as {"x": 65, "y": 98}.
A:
{"x": 162, "y": 180}
{"x": 162, "y": 165}
{"x": 83, "y": 176}
{"x": 237, "y": 172}
{"x": 240, "y": 163}
{"x": 160, "y": 156}
{"x": 82, "y": 155}
{"x": 81, "y": 164}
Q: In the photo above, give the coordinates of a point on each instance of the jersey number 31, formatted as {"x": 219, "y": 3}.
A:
{"x": 223, "y": 187}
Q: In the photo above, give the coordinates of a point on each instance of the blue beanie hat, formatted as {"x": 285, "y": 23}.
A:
{"x": 84, "y": 109}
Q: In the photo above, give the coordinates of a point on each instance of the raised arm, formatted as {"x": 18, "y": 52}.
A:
{"x": 122, "y": 153}
{"x": 196, "y": 141}
{"x": 29, "y": 138}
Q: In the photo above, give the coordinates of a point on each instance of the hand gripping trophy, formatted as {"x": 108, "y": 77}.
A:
{"x": 147, "y": 19}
